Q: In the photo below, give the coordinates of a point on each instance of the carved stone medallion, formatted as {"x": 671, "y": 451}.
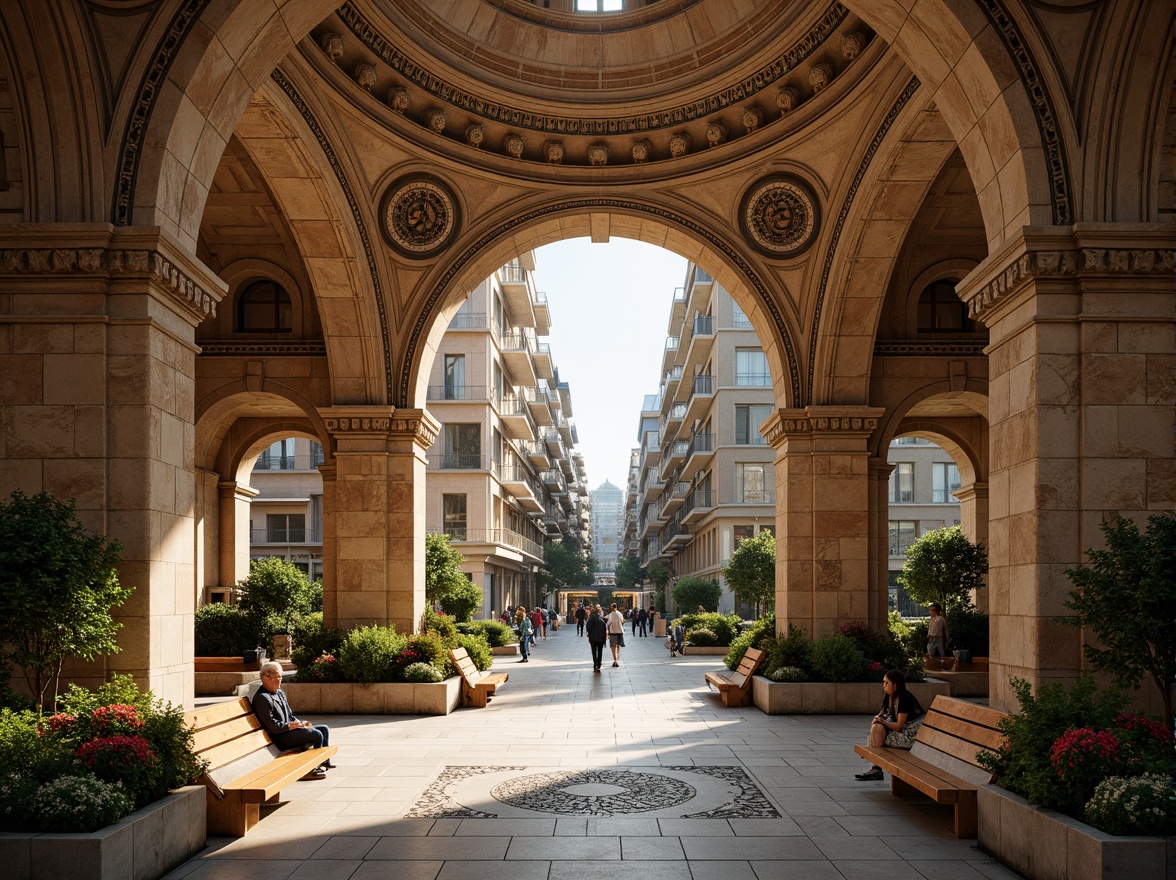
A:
{"x": 419, "y": 215}
{"x": 780, "y": 216}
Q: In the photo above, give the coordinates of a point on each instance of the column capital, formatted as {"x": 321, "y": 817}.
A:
{"x": 971, "y": 492}
{"x": 233, "y": 489}
{"x": 417, "y": 425}
{"x": 840, "y": 421}
{"x": 1089, "y": 251}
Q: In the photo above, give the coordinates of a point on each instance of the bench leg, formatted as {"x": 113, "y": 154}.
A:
{"x": 229, "y": 817}
{"x": 965, "y": 814}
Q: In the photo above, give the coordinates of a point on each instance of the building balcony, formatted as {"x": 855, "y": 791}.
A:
{"x": 272, "y": 463}
{"x": 459, "y": 461}
{"x": 698, "y": 504}
{"x": 543, "y": 365}
{"x": 677, "y": 308}
{"x": 757, "y": 496}
{"x": 554, "y": 481}
{"x": 702, "y": 394}
{"x": 515, "y": 415}
{"x": 567, "y": 431}
{"x": 550, "y": 437}
{"x": 459, "y": 537}
{"x": 672, "y": 419}
{"x": 516, "y": 294}
{"x": 675, "y": 498}
{"x": 670, "y": 354}
{"x": 674, "y": 537}
{"x": 564, "y": 390}
{"x": 701, "y": 451}
{"x": 469, "y": 321}
{"x": 542, "y": 314}
{"x": 522, "y": 486}
{"x": 536, "y": 453}
{"x": 518, "y": 358}
{"x": 670, "y": 381}
{"x": 674, "y": 455}
{"x": 538, "y": 402}
{"x": 698, "y": 346}
{"x": 285, "y": 536}
{"x": 459, "y": 392}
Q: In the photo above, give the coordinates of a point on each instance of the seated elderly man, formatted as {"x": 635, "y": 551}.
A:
{"x": 286, "y": 730}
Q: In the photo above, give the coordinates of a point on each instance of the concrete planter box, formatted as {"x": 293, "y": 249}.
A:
{"x": 716, "y": 651}
{"x": 964, "y": 683}
{"x": 819, "y": 698}
{"x": 339, "y": 698}
{"x": 1044, "y": 845}
{"x": 143, "y": 846}
{"x": 505, "y": 651}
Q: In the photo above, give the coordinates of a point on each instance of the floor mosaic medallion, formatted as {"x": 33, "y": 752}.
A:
{"x": 497, "y": 792}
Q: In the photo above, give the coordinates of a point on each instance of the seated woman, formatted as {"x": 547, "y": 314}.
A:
{"x": 896, "y": 723}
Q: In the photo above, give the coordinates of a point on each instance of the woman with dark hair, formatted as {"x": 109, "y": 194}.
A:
{"x": 897, "y": 721}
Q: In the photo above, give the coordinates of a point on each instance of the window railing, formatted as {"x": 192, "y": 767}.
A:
{"x": 304, "y": 462}
{"x": 453, "y": 391}
{"x": 753, "y": 380}
{"x": 671, "y": 343}
{"x": 701, "y": 443}
{"x": 455, "y": 461}
{"x": 704, "y": 325}
{"x": 469, "y": 321}
{"x": 505, "y": 537}
{"x": 514, "y": 342}
{"x": 699, "y": 498}
{"x": 280, "y": 535}
{"x": 757, "y": 496}
{"x": 512, "y": 273}
{"x": 703, "y": 384}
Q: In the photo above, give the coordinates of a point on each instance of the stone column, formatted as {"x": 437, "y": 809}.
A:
{"x": 97, "y": 381}
{"x": 375, "y": 521}
{"x": 879, "y": 533}
{"x": 1081, "y": 387}
{"x": 235, "y": 501}
{"x": 823, "y": 571}
{"x": 973, "y": 500}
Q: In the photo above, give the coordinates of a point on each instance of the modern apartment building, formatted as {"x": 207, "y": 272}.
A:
{"x": 702, "y": 477}
{"x": 503, "y": 477}
{"x": 608, "y": 518}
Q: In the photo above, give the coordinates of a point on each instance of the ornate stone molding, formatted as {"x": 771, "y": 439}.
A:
{"x": 843, "y": 215}
{"x": 416, "y": 424}
{"x": 308, "y": 117}
{"x": 293, "y": 348}
{"x": 843, "y": 421}
{"x": 115, "y": 263}
{"x": 919, "y": 348}
{"x": 1069, "y": 263}
{"x": 765, "y": 77}
{"x": 166, "y": 49}
{"x": 358, "y": 420}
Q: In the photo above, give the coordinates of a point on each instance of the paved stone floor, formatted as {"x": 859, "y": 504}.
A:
{"x": 639, "y": 772}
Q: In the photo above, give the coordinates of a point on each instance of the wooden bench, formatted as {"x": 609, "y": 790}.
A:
{"x": 942, "y": 763}
{"x": 735, "y": 687}
{"x": 477, "y": 687}
{"x": 245, "y": 768}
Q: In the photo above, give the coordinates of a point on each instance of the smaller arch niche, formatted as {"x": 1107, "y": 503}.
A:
{"x": 940, "y": 310}
{"x": 264, "y": 306}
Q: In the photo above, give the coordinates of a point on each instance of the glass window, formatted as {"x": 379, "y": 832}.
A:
{"x": 279, "y": 456}
{"x": 600, "y": 5}
{"x": 751, "y": 368}
{"x": 902, "y": 535}
{"x": 902, "y": 483}
{"x": 739, "y": 319}
{"x": 285, "y": 528}
{"x": 941, "y": 311}
{"x": 454, "y": 511}
{"x": 748, "y": 418}
{"x": 316, "y": 453}
{"x": 742, "y": 533}
{"x": 463, "y": 446}
{"x": 264, "y": 307}
{"x": 945, "y": 480}
{"x": 455, "y": 377}
{"x": 752, "y": 483}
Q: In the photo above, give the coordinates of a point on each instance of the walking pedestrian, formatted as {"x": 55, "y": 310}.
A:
{"x": 597, "y": 636}
{"x": 526, "y": 632}
{"x": 642, "y": 620}
{"x": 616, "y": 633}
{"x": 632, "y": 614}
{"x": 581, "y": 618}
{"x": 536, "y": 624}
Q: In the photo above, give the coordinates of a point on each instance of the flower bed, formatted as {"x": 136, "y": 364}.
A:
{"x": 1046, "y": 845}
{"x": 142, "y": 846}
{"x": 826, "y": 698}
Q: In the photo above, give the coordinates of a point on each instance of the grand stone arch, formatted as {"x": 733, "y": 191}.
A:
{"x": 1058, "y": 112}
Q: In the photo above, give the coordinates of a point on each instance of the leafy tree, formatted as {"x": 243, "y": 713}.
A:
{"x": 58, "y": 585}
{"x": 275, "y": 588}
{"x": 1127, "y": 598}
{"x": 445, "y": 582}
{"x": 661, "y": 575}
{"x": 463, "y": 600}
{"x": 629, "y": 571}
{"x": 565, "y": 566}
{"x": 690, "y": 592}
{"x": 751, "y": 573}
{"x": 943, "y": 566}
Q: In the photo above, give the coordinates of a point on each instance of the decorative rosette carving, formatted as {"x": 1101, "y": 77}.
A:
{"x": 419, "y": 215}
{"x": 641, "y": 151}
{"x": 716, "y": 133}
{"x": 820, "y": 76}
{"x": 514, "y": 146}
{"x": 598, "y": 153}
{"x": 780, "y": 216}
{"x": 555, "y": 152}
{"x": 679, "y": 145}
{"x": 435, "y": 119}
{"x": 787, "y": 99}
{"x": 474, "y": 135}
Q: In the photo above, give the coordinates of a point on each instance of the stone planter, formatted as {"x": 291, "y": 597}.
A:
{"x": 345, "y": 698}
{"x": 715, "y": 651}
{"x": 1044, "y": 845}
{"x": 964, "y": 683}
{"x": 505, "y": 651}
{"x": 819, "y": 698}
{"x": 143, "y": 846}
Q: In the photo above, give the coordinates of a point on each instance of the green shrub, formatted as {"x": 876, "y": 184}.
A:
{"x": 792, "y": 648}
{"x": 275, "y": 588}
{"x": 25, "y": 752}
{"x": 701, "y": 637}
{"x": 422, "y": 648}
{"x": 497, "y": 635}
{"x": 837, "y": 658}
{"x": 226, "y": 631}
{"x": 442, "y": 624}
{"x": 422, "y": 673}
{"x": 478, "y": 649}
{"x": 787, "y": 673}
{"x": 691, "y": 592}
{"x": 324, "y": 668}
{"x": 725, "y": 626}
{"x": 1142, "y": 805}
{"x": 881, "y": 651}
{"x": 79, "y": 803}
{"x": 755, "y": 636}
{"x": 1022, "y": 764}
{"x": 16, "y": 801}
{"x": 369, "y": 654}
{"x": 312, "y": 639}
{"x": 967, "y": 630}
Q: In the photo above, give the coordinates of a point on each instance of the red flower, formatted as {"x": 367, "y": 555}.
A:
{"x": 115, "y": 752}
{"x": 1081, "y": 745}
{"x": 117, "y": 718}
{"x": 57, "y": 723}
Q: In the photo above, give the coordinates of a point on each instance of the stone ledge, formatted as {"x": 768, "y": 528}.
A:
{"x": 1044, "y": 845}
{"x": 143, "y": 846}
{"x": 713, "y": 651}
{"x": 392, "y": 698}
{"x": 820, "y": 698}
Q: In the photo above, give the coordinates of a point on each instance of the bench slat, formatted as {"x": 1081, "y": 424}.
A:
{"x": 933, "y": 781}
{"x": 276, "y": 774}
{"x": 210, "y": 737}
{"x": 967, "y": 734}
{"x": 476, "y": 686}
{"x": 235, "y": 749}
{"x": 206, "y": 716}
{"x": 982, "y": 716}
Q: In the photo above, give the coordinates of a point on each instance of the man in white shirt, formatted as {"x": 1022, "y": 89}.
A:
{"x": 616, "y": 631}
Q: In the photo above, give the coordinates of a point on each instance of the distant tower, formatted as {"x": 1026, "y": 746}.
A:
{"x": 608, "y": 517}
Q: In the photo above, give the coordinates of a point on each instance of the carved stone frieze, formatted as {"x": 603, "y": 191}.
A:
{"x": 417, "y": 424}
{"x": 1075, "y": 263}
{"x": 358, "y": 424}
{"x": 917, "y": 348}
{"x": 116, "y": 263}
{"x": 293, "y": 348}
{"x": 791, "y": 422}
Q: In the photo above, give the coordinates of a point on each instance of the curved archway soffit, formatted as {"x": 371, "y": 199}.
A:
{"x": 220, "y": 408}
{"x": 434, "y": 303}
{"x": 963, "y": 451}
{"x": 247, "y": 447}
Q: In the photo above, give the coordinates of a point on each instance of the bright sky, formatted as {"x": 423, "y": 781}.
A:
{"x": 609, "y": 305}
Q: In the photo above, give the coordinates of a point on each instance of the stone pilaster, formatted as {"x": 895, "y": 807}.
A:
{"x": 1081, "y": 387}
{"x": 97, "y": 381}
{"x": 823, "y": 571}
{"x": 235, "y": 500}
{"x": 375, "y": 511}
{"x": 879, "y": 533}
{"x": 973, "y": 500}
